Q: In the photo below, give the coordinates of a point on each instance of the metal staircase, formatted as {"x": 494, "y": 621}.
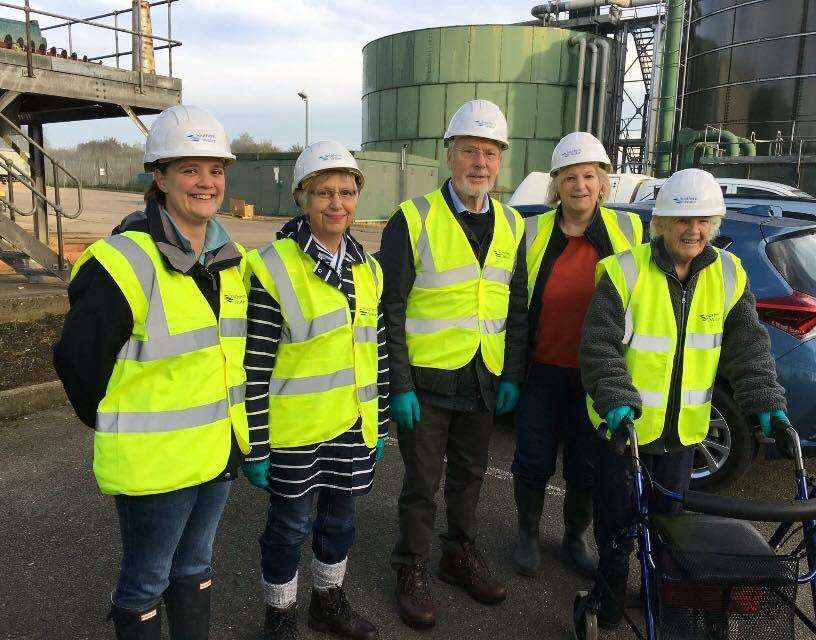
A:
{"x": 644, "y": 37}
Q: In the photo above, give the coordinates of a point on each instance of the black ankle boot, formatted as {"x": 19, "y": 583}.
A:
{"x": 577, "y": 518}
{"x": 330, "y": 612}
{"x": 281, "y": 624}
{"x": 529, "y": 505}
{"x": 188, "y": 608}
{"x": 136, "y": 625}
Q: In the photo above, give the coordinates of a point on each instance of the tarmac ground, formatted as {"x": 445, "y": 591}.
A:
{"x": 61, "y": 548}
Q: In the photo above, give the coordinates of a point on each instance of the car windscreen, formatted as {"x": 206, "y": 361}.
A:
{"x": 794, "y": 256}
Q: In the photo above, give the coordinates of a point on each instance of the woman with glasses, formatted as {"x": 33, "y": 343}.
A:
{"x": 317, "y": 391}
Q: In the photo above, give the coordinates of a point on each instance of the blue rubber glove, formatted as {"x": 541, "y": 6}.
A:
{"x": 256, "y": 473}
{"x": 405, "y": 410}
{"x": 615, "y": 418}
{"x": 765, "y": 418}
{"x": 379, "y": 450}
{"x": 507, "y": 397}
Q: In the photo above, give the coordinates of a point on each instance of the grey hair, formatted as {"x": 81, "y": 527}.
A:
{"x": 656, "y": 229}
{"x": 554, "y": 199}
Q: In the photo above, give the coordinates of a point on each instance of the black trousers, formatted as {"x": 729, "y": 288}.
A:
{"x": 462, "y": 436}
{"x": 613, "y": 494}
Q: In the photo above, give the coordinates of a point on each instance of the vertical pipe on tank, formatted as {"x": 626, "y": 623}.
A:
{"x": 599, "y": 129}
{"x": 654, "y": 96}
{"x": 593, "y": 71}
{"x": 668, "y": 86}
{"x": 580, "y": 40}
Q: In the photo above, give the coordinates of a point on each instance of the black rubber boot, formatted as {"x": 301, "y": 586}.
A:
{"x": 529, "y": 505}
{"x": 610, "y": 589}
{"x": 577, "y": 518}
{"x": 188, "y": 608}
{"x": 330, "y": 612}
{"x": 281, "y": 624}
{"x": 136, "y": 625}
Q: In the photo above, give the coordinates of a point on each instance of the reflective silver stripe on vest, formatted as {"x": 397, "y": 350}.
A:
{"x": 497, "y": 274}
{"x": 365, "y": 334}
{"x": 697, "y": 397}
{"x": 511, "y": 219}
{"x": 237, "y": 393}
{"x": 320, "y": 325}
{"x": 373, "y": 268}
{"x": 625, "y": 224}
{"x": 429, "y": 279}
{"x": 628, "y": 326}
{"x": 432, "y": 325}
{"x": 493, "y": 326}
{"x": 423, "y": 206}
{"x": 643, "y": 342}
{"x": 286, "y": 291}
{"x": 369, "y": 392}
{"x": 703, "y": 340}
{"x": 652, "y": 399}
{"x": 160, "y": 421}
{"x": 164, "y": 346}
{"x": 311, "y": 384}
{"x": 630, "y": 271}
{"x": 530, "y": 230}
{"x": 729, "y": 269}
{"x": 233, "y": 327}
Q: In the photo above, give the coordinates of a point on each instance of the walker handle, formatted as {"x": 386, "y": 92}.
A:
{"x": 619, "y": 439}
{"x": 756, "y": 510}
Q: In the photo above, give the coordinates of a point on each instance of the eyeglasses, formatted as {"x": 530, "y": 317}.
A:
{"x": 328, "y": 194}
{"x": 472, "y": 153}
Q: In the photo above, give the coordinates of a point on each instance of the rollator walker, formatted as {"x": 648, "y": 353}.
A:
{"x": 708, "y": 573}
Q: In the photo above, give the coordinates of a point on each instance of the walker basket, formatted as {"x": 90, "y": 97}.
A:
{"x": 715, "y": 596}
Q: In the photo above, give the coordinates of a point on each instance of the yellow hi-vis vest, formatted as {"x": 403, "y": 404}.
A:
{"x": 177, "y": 388}
{"x": 325, "y": 374}
{"x": 651, "y": 340}
{"x": 625, "y": 231}
{"x": 455, "y": 306}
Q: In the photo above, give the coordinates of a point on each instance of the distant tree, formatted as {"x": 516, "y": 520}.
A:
{"x": 245, "y": 143}
{"x": 295, "y": 148}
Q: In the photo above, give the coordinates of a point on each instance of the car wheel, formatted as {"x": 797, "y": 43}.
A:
{"x": 729, "y": 448}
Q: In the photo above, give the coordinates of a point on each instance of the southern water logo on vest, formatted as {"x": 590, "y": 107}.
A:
{"x": 330, "y": 156}
{"x": 235, "y": 299}
{"x": 201, "y": 136}
{"x": 501, "y": 254}
{"x": 367, "y": 311}
{"x": 711, "y": 317}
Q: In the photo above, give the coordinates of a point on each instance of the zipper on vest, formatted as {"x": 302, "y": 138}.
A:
{"x": 672, "y": 437}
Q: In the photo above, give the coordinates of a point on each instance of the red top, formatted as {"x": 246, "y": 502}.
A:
{"x": 564, "y": 303}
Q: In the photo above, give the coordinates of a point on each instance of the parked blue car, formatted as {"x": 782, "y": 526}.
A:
{"x": 778, "y": 250}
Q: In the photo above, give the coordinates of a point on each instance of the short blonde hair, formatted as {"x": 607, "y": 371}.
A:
{"x": 656, "y": 228}
{"x": 303, "y": 193}
{"x": 554, "y": 199}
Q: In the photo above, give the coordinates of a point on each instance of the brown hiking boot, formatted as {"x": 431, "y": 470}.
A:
{"x": 414, "y": 602}
{"x": 463, "y": 566}
{"x": 330, "y": 612}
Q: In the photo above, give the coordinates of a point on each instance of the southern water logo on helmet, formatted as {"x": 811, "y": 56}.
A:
{"x": 571, "y": 153}
{"x": 689, "y": 199}
{"x": 326, "y": 157}
{"x": 486, "y": 123}
{"x": 202, "y": 136}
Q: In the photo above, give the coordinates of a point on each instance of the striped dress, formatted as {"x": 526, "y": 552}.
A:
{"x": 344, "y": 463}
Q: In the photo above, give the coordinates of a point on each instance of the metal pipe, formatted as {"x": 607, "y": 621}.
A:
{"x": 668, "y": 87}
{"x": 580, "y": 40}
{"x": 593, "y": 71}
{"x": 557, "y": 6}
{"x": 654, "y": 97}
{"x": 599, "y": 128}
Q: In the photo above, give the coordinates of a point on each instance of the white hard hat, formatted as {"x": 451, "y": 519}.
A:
{"x": 480, "y": 119}
{"x": 325, "y": 155}
{"x": 690, "y": 193}
{"x": 186, "y": 132}
{"x": 579, "y": 147}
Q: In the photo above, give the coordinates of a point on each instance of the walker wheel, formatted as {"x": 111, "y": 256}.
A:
{"x": 584, "y": 618}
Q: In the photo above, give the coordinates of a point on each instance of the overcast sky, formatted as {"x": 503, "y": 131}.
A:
{"x": 245, "y": 60}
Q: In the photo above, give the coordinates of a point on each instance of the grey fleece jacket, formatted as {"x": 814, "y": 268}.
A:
{"x": 746, "y": 362}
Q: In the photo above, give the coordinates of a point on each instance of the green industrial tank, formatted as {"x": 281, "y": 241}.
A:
{"x": 414, "y": 81}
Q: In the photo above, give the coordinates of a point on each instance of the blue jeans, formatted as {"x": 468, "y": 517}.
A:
{"x": 551, "y": 411}
{"x": 165, "y": 537}
{"x": 289, "y": 523}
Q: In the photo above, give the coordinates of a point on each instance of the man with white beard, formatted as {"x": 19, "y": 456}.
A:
{"x": 455, "y": 306}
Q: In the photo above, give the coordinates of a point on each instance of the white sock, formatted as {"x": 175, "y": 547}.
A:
{"x": 280, "y": 596}
{"x": 328, "y": 576}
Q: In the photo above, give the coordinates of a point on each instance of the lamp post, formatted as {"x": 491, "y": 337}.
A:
{"x": 305, "y": 99}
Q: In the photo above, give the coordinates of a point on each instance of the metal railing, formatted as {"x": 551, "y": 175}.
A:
{"x": 69, "y": 22}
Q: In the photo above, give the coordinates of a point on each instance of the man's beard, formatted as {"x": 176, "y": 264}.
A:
{"x": 474, "y": 192}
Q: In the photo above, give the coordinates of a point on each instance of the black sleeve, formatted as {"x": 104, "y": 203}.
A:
{"x": 96, "y": 328}
{"x": 264, "y": 328}
{"x": 397, "y": 261}
{"x": 515, "y": 348}
{"x": 746, "y": 360}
